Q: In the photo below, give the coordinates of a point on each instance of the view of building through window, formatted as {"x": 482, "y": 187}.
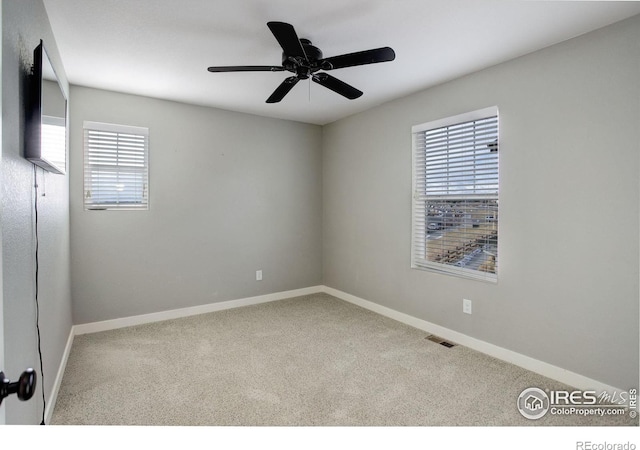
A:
{"x": 463, "y": 233}
{"x": 455, "y": 210}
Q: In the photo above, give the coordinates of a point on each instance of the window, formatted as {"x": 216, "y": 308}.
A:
{"x": 455, "y": 195}
{"x": 53, "y": 140}
{"x": 116, "y": 166}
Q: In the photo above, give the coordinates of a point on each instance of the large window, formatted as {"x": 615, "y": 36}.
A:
{"x": 455, "y": 198}
{"x": 116, "y": 166}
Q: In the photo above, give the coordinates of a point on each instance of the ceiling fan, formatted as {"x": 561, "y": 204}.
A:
{"x": 305, "y": 61}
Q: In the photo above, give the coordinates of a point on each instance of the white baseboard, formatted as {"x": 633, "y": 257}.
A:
{"x": 105, "y": 325}
{"x": 540, "y": 367}
{"x": 113, "y": 324}
{"x": 53, "y": 396}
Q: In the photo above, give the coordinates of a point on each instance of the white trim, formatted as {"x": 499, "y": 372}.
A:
{"x": 115, "y": 128}
{"x": 113, "y": 324}
{"x": 446, "y": 269}
{"x": 52, "y": 120}
{"x": 420, "y": 167}
{"x": 540, "y": 367}
{"x": 100, "y": 153}
{"x": 526, "y": 362}
{"x": 464, "y": 117}
{"x": 53, "y": 396}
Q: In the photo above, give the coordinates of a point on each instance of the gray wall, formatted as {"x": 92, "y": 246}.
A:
{"x": 24, "y": 23}
{"x": 230, "y": 193}
{"x": 569, "y": 203}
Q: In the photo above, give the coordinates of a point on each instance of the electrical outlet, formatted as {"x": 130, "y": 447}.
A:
{"x": 466, "y": 306}
{"x": 258, "y": 275}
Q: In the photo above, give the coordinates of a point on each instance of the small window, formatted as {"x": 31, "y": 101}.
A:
{"x": 53, "y": 140}
{"x": 455, "y": 195}
{"x": 116, "y": 166}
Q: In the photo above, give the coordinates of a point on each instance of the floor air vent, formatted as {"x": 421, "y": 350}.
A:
{"x": 439, "y": 340}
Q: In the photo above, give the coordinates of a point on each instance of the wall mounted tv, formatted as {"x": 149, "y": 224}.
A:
{"x": 46, "y": 116}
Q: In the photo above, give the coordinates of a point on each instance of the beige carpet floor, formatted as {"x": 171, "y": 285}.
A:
{"x": 305, "y": 361}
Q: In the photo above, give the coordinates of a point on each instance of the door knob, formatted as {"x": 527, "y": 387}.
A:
{"x": 24, "y": 387}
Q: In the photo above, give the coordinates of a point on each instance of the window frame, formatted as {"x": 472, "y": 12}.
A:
{"x": 418, "y": 236}
{"x": 128, "y": 130}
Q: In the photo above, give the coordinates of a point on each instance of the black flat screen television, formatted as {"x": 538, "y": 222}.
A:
{"x": 46, "y": 116}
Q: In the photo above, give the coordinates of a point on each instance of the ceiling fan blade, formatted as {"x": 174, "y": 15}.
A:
{"x": 340, "y": 87}
{"x": 283, "y": 89}
{"x": 286, "y": 36}
{"x": 246, "y": 69}
{"x": 375, "y": 55}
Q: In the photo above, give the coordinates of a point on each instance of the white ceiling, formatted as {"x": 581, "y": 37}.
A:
{"x": 162, "y": 48}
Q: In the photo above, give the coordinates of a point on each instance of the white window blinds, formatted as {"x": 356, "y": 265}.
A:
{"x": 455, "y": 200}
{"x": 53, "y": 140}
{"x": 116, "y": 166}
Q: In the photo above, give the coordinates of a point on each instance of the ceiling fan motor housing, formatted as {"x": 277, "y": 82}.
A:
{"x": 299, "y": 66}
